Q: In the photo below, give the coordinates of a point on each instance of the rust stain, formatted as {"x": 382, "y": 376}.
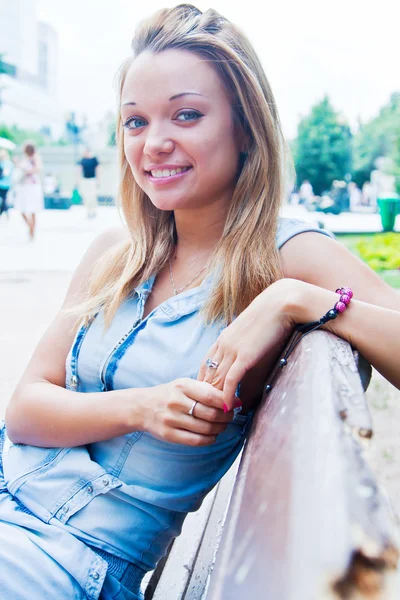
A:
{"x": 365, "y": 576}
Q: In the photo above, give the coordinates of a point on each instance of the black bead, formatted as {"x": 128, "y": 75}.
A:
{"x": 283, "y": 362}
{"x": 333, "y": 313}
{"x": 268, "y": 388}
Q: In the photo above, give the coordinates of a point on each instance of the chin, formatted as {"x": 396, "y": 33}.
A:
{"x": 170, "y": 203}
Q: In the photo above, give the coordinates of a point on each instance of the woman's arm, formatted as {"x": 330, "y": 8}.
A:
{"x": 371, "y": 329}
{"x": 314, "y": 266}
{"x": 41, "y": 410}
{"x": 372, "y": 322}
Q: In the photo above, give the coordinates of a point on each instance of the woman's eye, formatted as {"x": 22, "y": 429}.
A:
{"x": 134, "y": 123}
{"x": 188, "y": 115}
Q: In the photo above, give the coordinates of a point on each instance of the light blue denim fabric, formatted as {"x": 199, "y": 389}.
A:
{"x": 89, "y": 521}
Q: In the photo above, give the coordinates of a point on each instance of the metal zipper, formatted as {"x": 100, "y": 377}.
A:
{"x": 110, "y": 354}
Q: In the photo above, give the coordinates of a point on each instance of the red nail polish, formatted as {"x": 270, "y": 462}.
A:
{"x": 226, "y": 409}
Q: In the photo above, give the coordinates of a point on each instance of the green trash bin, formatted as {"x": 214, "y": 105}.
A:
{"x": 389, "y": 208}
{"x": 76, "y": 197}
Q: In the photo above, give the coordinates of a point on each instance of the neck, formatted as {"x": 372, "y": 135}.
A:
{"x": 199, "y": 231}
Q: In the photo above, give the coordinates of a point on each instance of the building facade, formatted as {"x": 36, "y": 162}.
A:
{"x": 28, "y": 72}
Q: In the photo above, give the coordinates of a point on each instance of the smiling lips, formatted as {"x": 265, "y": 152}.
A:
{"x": 166, "y": 175}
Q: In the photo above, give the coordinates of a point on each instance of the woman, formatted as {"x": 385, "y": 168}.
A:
{"x": 103, "y": 458}
{"x": 28, "y": 193}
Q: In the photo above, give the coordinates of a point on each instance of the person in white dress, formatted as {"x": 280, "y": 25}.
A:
{"x": 28, "y": 193}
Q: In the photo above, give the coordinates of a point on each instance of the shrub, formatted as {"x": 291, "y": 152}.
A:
{"x": 382, "y": 252}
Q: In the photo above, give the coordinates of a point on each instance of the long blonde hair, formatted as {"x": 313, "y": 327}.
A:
{"x": 247, "y": 249}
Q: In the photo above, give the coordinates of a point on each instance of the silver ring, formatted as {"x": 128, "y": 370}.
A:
{"x": 192, "y": 409}
{"x": 212, "y": 364}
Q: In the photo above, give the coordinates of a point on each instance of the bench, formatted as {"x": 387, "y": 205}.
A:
{"x": 299, "y": 516}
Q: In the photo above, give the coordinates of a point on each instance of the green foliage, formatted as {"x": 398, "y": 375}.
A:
{"x": 19, "y": 136}
{"x": 322, "y": 149}
{"x": 112, "y": 134}
{"x": 382, "y": 252}
{"x": 6, "y": 68}
{"x": 378, "y": 137}
{"x": 61, "y": 142}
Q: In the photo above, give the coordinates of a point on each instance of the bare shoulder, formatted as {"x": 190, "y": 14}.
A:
{"x": 104, "y": 242}
{"x": 109, "y": 238}
{"x": 323, "y": 261}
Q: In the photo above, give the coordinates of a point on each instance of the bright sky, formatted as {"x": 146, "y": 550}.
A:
{"x": 345, "y": 49}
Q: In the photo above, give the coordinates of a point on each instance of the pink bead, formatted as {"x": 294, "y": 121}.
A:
{"x": 345, "y": 298}
{"x": 347, "y": 291}
{"x": 340, "y": 306}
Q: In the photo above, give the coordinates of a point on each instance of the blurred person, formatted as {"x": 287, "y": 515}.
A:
{"x": 306, "y": 192}
{"x": 294, "y": 197}
{"x": 89, "y": 182}
{"x": 28, "y": 192}
{"x": 142, "y": 392}
{"x": 6, "y": 170}
{"x": 368, "y": 197}
{"x": 340, "y": 196}
{"x": 355, "y": 196}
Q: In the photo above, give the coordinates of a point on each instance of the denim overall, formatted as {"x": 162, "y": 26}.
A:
{"x": 90, "y": 521}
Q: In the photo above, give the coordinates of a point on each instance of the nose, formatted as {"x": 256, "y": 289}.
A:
{"x": 158, "y": 143}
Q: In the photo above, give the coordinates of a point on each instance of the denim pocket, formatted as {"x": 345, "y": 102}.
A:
{"x": 22, "y": 462}
{"x": 54, "y": 481}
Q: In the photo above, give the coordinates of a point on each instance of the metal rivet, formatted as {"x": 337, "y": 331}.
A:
{"x": 73, "y": 381}
{"x": 89, "y": 489}
{"x": 106, "y": 482}
{"x": 365, "y": 433}
{"x": 96, "y": 576}
{"x": 65, "y": 509}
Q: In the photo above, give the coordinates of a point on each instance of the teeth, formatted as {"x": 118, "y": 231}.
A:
{"x": 168, "y": 172}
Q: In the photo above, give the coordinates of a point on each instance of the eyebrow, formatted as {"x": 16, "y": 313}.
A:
{"x": 172, "y": 97}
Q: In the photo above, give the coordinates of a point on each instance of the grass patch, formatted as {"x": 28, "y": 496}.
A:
{"x": 351, "y": 242}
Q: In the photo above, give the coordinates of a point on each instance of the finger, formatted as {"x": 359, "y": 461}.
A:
{"x": 196, "y": 425}
{"x": 211, "y": 371}
{"x": 215, "y": 415}
{"x": 181, "y": 436}
{"x": 232, "y": 379}
{"x": 202, "y": 392}
{"x": 218, "y": 375}
{"x": 203, "y": 367}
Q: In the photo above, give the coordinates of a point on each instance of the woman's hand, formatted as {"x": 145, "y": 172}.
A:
{"x": 166, "y": 412}
{"x": 259, "y": 332}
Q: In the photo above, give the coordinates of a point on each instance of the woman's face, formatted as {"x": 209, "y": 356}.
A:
{"x": 179, "y": 134}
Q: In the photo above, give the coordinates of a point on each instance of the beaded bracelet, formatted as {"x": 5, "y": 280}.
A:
{"x": 346, "y": 295}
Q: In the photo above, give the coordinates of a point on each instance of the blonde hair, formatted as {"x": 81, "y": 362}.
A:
{"x": 247, "y": 249}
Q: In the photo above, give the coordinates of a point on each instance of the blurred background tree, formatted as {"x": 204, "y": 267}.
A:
{"x": 322, "y": 149}
{"x": 19, "y": 136}
{"x": 378, "y": 137}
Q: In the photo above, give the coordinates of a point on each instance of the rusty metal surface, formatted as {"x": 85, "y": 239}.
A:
{"x": 306, "y": 506}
